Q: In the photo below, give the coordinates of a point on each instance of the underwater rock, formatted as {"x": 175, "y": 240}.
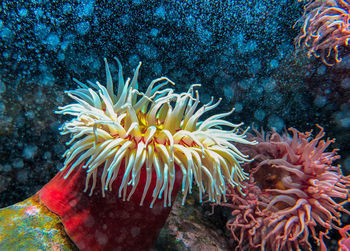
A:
{"x": 193, "y": 227}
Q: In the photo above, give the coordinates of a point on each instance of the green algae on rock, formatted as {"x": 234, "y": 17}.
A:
{"x": 29, "y": 225}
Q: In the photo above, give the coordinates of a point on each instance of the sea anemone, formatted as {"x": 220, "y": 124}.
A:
{"x": 325, "y": 28}
{"x": 294, "y": 193}
{"x": 145, "y": 146}
{"x": 144, "y": 130}
{"x": 344, "y": 242}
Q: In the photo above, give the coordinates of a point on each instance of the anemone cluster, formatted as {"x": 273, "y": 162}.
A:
{"x": 287, "y": 198}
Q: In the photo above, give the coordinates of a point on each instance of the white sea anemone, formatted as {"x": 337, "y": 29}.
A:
{"x": 158, "y": 131}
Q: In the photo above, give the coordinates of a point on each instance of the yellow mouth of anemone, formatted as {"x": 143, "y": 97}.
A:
{"x": 153, "y": 131}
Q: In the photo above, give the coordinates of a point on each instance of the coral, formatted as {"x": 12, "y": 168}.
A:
{"x": 325, "y": 29}
{"x": 293, "y": 193}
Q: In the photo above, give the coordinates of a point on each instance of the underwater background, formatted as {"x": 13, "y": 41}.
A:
{"x": 242, "y": 51}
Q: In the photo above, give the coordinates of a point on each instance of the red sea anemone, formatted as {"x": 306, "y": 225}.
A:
{"x": 325, "y": 28}
{"x": 292, "y": 196}
{"x": 130, "y": 152}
